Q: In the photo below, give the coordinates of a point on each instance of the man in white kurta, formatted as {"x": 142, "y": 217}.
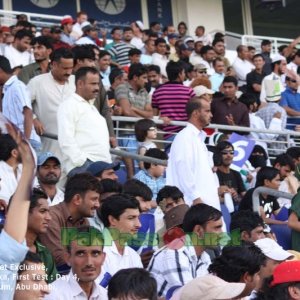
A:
{"x": 47, "y": 91}
{"x": 190, "y": 166}
{"x": 82, "y": 132}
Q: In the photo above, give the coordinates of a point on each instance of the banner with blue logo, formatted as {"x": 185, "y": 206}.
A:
{"x": 160, "y": 11}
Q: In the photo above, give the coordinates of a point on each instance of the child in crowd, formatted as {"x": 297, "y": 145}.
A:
{"x": 145, "y": 132}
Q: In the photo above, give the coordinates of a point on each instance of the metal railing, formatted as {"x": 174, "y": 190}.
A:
{"x": 268, "y": 191}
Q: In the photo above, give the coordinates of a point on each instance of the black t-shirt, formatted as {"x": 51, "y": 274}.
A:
{"x": 232, "y": 179}
{"x": 270, "y": 204}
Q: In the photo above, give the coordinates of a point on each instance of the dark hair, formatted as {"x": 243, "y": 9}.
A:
{"x": 134, "y": 51}
{"x": 251, "y": 48}
{"x": 222, "y": 145}
{"x": 205, "y": 49}
{"x": 260, "y": 149}
{"x": 293, "y": 152}
{"x": 169, "y": 191}
{"x": 42, "y": 40}
{"x": 115, "y": 73}
{"x": 35, "y": 196}
{"x": 136, "y": 188}
{"x": 200, "y": 27}
{"x": 192, "y": 105}
{"x": 159, "y": 41}
{"x": 180, "y": 24}
{"x": 5, "y": 65}
{"x": 78, "y": 14}
{"x": 82, "y": 52}
{"x": 20, "y": 34}
{"x": 217, "y": 59}
{"x": 115, "y": 29}
{"x": 235, "y": 261}
{"x": 30, "y": 257}
{"x": 82, "y": 72}
{"x": 230, "y": 79}
{"x": 136, "y": 70}
{"x": 200, "y": 214}
{"x": 103, "y": 53}
{"x": 284, "y": 160}
{"x": 60, "y": 53}
{"x": 258, "y": 55}
{"x": 240, "y": 48}
{"x": 154, "y": 23}
{"x": 133, "y": 283}
{"x": 7, "y": 144}
{"x": 153, "y": 68}
{"x": 155, "y": 153}
{"x": 245, "y": 220}
{"x": 110, "y": 186}
{"x": 127, "y": 28}
{"x": 81, "y": 184}
{"x": 141, "y": 128}
{"x": 247, "y": 99}
{"x": 219, "y": 36}
{"x": 115, "y": 206}
{"x": 173, "y": 69}
{"x": 265, "y": 173}
{"x": 265, "y": 43}
{"x": 216, "y": 41}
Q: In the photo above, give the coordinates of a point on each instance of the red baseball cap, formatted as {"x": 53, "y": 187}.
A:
{"x": 288, "y": 271}
{"x": 67, "y": 20}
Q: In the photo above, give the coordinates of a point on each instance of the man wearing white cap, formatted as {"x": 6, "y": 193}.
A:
{"x": 67, "y": 26}
{"x": 201, "y": 90}
{"x": 275, "y": 254}
{"x": 278, "y": 69}
{"x": 137, "y": 28}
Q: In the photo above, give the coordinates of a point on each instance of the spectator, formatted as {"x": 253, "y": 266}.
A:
{"x": 266, "y": 48}
{"x": 134, "y": 56}
{"x": 217, "y": 78}
{"x": 256, "y": 76}
{"x": 42, "y": 49}
{"x": 251, "y": 53}
{"x": 16, "y": 105}
{"x": 76, "y": 30}
{"x": 82, "y": 192}
{"x": 120, "y": 216}
{"x": 241, "y": 65}
{"x": 132, "y": 283}
{"x": 188, "y": 150}
{"x": 116, "y": 77}
{"x": 55, "y": 34}
{"x": 85, "y": 260}
{"x": 105, "y": 69}
{"x": 103, "y": 170}
{"x": 219, "y": 47}
{"x": 18, "y": 52}
{"x": 116, "y": 35}
{"x": 191, "y": 258}
{"x": 159, "y": 57}
{"x": 248, "y": 224}
{"x": 154, "y": 78}
{"x": 47, "y": 91}
{"x": 137, "y": 28}
{"x": 89, "y": 36}
{"x": 149, "y": 49}
{"x": 200, "y": 35}
{"x": 195, "y": 57}
{"x": 170, "y": 98}
{"x": 153, "y": 174}
{"x": 182, "y": 29}
{"x": 155, "y": 27}
{"x": 67, "y": 28}
{"x": 228, "y": 110}
{"x": 73, "y": 136}
{"x": 295, "y": 63}
{"x": 268, "y": 205}
{"x": 278, "y": 69}
{"x": 48, "y": 175}
{"x": 208, "y": 54}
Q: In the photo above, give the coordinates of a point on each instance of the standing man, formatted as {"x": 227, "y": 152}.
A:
{"x": 47, "y": 91}
{"x": 67, "y": 26}
{"x": 42, "y": 48}
{"x": 266, "y": 47}
{"x": 189, "y": 167}
{"x": 82, "y": 132}
{"x": 76, "y": 30}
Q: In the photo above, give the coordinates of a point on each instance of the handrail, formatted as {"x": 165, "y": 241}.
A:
{"x": 265, "y": 190}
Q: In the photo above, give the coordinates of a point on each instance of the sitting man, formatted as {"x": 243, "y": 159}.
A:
{"x": 103, "y": 170}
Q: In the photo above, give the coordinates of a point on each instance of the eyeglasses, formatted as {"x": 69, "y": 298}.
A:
{"x": 152, "y": 129}
{"x": 227, "y": 152}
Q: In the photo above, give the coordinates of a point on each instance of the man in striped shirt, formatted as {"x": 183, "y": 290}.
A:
{"x": 169, "y": 100}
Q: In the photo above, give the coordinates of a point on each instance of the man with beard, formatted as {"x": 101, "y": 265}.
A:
{"x": 42, "y": 48}
{"x": 48, "y": 174}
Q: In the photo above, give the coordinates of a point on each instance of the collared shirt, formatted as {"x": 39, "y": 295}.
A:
{"x": 221, "y": 108}
{"x": 68, "y": 288}
{"x": 114, "y": 261}
{"x": 58, "y": 197}
{"x": 30, "y": 71}
{"x": 61, "y": 218}
{"x": 17, "y": 58}
{"x": 172, "y": 267}
{"x": 119, "y": 53}
{"x": 242, "y": 67}
{"x": 12, "y": 253}
{"x": 96, "y": 222}
{"x": 79, "y": 123}
{"x": 14, "y": 101}
{"x": 9, "y": 181}
{"x": 67, "y": 39}
{"x": 216, "y": 80}
{"x": 46, "y": 95}
{"x": 105, "y": 78}
{"x": 155, "y": 184}
{"x": 161, "y": 61}
{"x": 291, "y": 99}
{"x": 190, "y": 167}
{"x": 272, "y": 76}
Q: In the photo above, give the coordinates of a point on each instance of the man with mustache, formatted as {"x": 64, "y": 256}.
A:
{"x": 48, "y": 175}
{"x": 82, "y": 132}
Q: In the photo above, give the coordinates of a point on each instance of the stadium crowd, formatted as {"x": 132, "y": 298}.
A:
{"x": 72, "y": 225}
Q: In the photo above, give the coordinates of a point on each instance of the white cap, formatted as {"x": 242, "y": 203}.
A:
{"x": 272, "y": 249}
{"x": 201, "y": 90}
{"x": 277, "y": 57}
{"x": 85, "y": 23}
{"x": 140, "y": 25}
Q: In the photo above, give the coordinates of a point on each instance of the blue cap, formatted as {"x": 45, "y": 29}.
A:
{"x": 98, "y": 167}
{"x": 44, "y": 156}
{"x": 173, "y": 36}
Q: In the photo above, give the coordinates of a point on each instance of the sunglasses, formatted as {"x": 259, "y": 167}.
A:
{"x": 227, "y": 152}
{"x": 202, "y": 72}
